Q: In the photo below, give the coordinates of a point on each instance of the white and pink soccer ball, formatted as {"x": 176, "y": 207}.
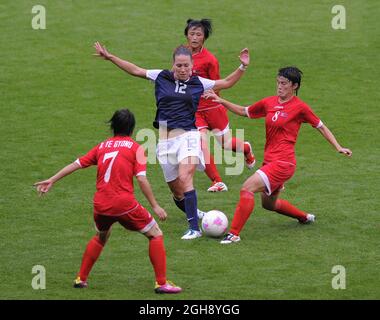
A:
{"x": 214, "y": 223}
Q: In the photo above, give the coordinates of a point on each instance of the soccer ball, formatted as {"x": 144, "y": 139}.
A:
{"x": 214, "y": 223}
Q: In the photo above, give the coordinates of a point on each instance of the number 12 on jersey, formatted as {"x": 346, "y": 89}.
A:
{"x": 180, "y": 87}
{"x": 109, "y": 155}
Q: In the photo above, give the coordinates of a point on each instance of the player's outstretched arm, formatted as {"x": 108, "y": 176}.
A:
{"x": 235, "y": 108}
{"x": 328, "y": 135}
{"x": 148, "y": 193}
{"x": 127, "y": 66}
{"x": 44, "y": 186}
{"x": 235, "y": 76}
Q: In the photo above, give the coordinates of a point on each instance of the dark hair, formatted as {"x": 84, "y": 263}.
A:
{"x": 182, "y": 50}
{"x": 205, "y": 24}
{"x": 122, "y": 123}
{"x": 293, "y": 74}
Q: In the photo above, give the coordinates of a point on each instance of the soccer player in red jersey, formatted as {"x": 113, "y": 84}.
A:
{"x": 211, "y": 115}
{"x": 119, "y": 159}
{"x": 284, "y": 114}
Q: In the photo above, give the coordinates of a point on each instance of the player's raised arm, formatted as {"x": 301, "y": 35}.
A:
{"x": 125, "y": 65}
{"x": 148, "y": 193}
{"x": 328, "y": 135}
{"x": 235, "y": 76}
{"x": 46, "y": 185}
{"x": 235, "y": 108}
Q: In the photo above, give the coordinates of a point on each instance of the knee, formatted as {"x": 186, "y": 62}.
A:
{"x": 154, "y": 232}
{"x": 186, "y": 180}
{"x": 158, "y": 233}
{"x": 253, "y": 184}
{"x": 249, "y": 187}
{"x": 246, "y": 189}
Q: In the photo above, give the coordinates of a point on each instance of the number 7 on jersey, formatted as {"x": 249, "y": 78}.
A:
{"x": 109, "y": 155}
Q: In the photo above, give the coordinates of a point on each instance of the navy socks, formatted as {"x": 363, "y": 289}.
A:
{"x": 190, "y": 207}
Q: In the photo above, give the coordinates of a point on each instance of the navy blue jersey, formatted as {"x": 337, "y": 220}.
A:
{"x": 177, "y": 101}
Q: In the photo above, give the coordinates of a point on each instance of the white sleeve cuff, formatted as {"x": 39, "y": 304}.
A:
{"x": 246, "y": 112}
{"x": 153, "y": 74}
{"x": 141, "y": 173}
{"x": 207, "y": 83}
{"x": 320, "y": 124}
{"x": 78, "y": 162}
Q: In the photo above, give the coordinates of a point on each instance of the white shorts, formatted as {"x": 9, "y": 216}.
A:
{"x": 170, "y": 152}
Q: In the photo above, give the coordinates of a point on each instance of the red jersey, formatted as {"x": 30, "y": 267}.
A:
{"x": 282, "y": 124}
{"x": 206, "y": 66}
{"x": 119, "y": 159}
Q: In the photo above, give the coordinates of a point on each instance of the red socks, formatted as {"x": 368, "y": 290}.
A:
{"x": 92, "y": 253}
{"x": 243, "y": 211}
{"x": 247, "y": 203}
{"x": 287, "y": 209}
{"x": 211, "y": 170}
{"x": 157, "y": 257}
{"x": 238, "y": 145}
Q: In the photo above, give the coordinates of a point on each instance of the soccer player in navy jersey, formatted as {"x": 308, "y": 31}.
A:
{"x": 211, "y": 115}
{"x": 284, "y": 114}
{"x": 118, "y": 160}
{"x": 177, "y": 94}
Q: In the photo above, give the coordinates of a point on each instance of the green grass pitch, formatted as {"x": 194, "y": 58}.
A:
{"x": 56, "y": 97}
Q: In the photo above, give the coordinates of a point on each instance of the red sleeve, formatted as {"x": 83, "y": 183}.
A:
{"x": 90, "y": 159}
{"x": 140, "y": 163}
{"x": 257, "y": 110}
{"x": 309, "y": 116}
{"x": 213, "y": 69}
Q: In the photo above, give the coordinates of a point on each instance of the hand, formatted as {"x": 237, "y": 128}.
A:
{"x": 161, "y": 213}
{"x": 43, "y": 186}
{"x": 101, "y": 51}
{"x": 345, "y": 151}
{"x": 210, "y": 94}
{"x": 244, "y": 57}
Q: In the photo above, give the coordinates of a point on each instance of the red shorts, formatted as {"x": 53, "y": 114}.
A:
{"x": 138, "y": 219}
{"x": 275, "y": 174}
{"x": 213, "y": 119}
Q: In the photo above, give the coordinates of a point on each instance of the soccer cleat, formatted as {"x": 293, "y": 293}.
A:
{"x": 310, "y": 218}
{"x": 78, "y": 283}
{"x": 217, "y": 187}
{"x": 230, "y": 238}
{"x": 191, "y": 234}
{"x": 249, "y": 158}
{"x": 200, "y": 214}
{"x": 168, "y": 287}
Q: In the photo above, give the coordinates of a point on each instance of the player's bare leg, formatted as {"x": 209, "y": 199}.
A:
{"x": 269, "y": 202}
{"x": 176, "y": 189}
{"x": 104, "y": 236}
